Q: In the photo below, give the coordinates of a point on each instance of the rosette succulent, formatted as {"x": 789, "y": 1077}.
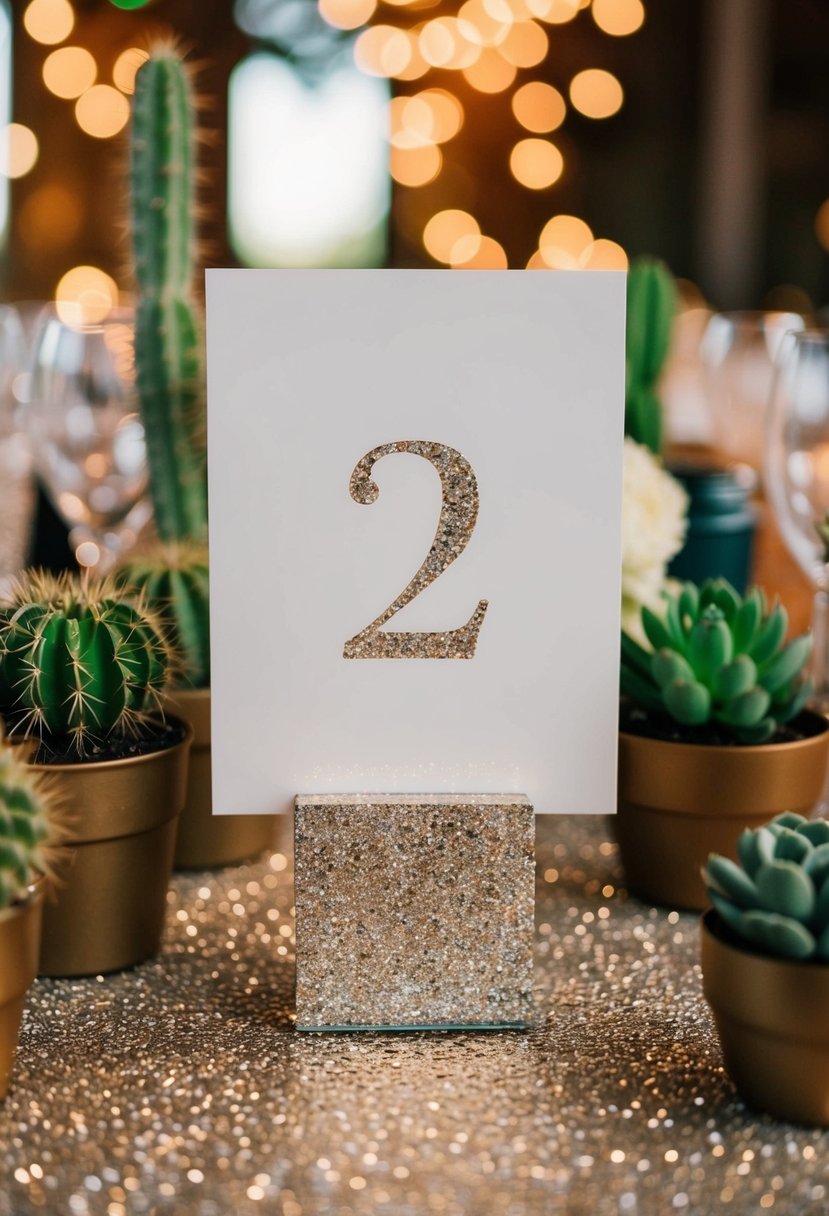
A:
{"x": 25, "y": 827}
{"x": 174, "y": 581}
{"x": 717, "y": 657}
{"x": 777, "y": 898}
{"x": 80, "y": 662}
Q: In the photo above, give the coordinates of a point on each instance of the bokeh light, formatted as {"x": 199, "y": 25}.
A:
{"x": 536, "y": 163}
{"x": 596, "y": 93}
{"x": 488, "y": 255}
{"x": 50, "y": 217}
{"x": 563, "y": 241}
{"x": 539, "y": 107}
{"x": 85, "y": 295}
{"x": 415, "y": 166}
{"x": 618, "y": 17}
{"x": 491, "y": 74}
{"x": 18, "y": 150}
{"x": 69, "y": 71}
{"x": 525, "y": 45}
{"x": 49, "y": 21}
{"x": 604, "y": 255}
{"x": 452, "y": 235}
{"x": 347, "y": 14}
{"x": 382, "y": 50}
{"x": 126, "y": 66}
{"x": 102, "y": 111}
{"x": 555, "y": 12}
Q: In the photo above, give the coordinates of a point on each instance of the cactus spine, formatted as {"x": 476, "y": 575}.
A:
{"x": 651, "y": 304}
{"x": 174, "y": 580}
{"x": 168, "y": 345}
{"x": 25, "y": 827}
{"x": 79, "y": 662}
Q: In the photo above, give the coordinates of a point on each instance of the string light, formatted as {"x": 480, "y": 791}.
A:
{"x": 596, "y": 93}
{"x": 488, "y": 255}
{"x": 102, "y": 111}
{"x": 491, "y": 74}
{"x": 85, "y": 295}
{"x": 18, "y": 150}
{"x": 70, "y": 71}
{"x": 49, "y": 21}
{"x": 525, "y": 45}
{"x": 618, "y": 17}
{"x": 536, "y": 163}
{"x": 539, "y": 107}
{"x": 382, "y": 50}
{"x": 347, "y": 14}
{"x": 452, "y": 235}
{"x": 563, "y": 241}
{"x": 126, "y": 66}
{"x": 415, "y": 166}
{"x": 604, "y": 255}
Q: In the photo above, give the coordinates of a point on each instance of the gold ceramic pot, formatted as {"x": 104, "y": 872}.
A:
{"x": 772, "y": 1016}
{"x": 109, "y": 906}
{"x": 19, "y": 945}
{"x": 206, "y": 841}
{"x": 678, "y": 802}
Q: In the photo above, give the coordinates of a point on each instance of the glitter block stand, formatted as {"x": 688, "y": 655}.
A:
{"x": 414, "y": 911}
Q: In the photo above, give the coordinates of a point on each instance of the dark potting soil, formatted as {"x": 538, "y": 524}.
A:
{"x": 160, "y": 737}
{"x": 648, "y": 725}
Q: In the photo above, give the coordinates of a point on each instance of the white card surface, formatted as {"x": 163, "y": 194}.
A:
{"x": 523, "y": 375}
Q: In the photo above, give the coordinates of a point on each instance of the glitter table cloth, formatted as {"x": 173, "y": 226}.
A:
{"x": 182, "y": 1088}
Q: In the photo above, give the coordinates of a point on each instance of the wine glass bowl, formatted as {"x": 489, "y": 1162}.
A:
{"x": 86, "y": 431}
{"x": 739, "y": 352}
{"x": 797, "y": 472}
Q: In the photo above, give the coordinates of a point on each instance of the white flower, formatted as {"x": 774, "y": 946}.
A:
{"x": 654, "y": 521}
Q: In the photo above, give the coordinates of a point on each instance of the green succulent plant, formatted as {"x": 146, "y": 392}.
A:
{"x": 79, "y": 661}
{"x": 777, "y": 898}
{"x": 168, "y": 326}
{"x": 718, "y": 657}
{"x": 174, "y": 582}
{"x": 25, "y": 827}
{"x": 651, "y": 305}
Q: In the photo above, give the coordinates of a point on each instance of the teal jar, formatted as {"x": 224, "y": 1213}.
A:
{"x": 721, "y": 526}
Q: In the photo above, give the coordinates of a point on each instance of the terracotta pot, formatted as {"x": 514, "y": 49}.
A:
{"x": 109, "y": 906}
{"x": 207, "y": 841}
{"x": 19, "y": 945}
{"x": 772, "y": 1016}
{"x": 678, "y": 802}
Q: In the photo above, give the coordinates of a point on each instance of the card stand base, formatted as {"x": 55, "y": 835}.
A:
{"x": 414, "y": 911}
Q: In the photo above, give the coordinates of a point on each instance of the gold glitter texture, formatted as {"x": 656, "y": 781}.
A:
{"x": 458, "y": 514}
{"x": 414, "y": 910}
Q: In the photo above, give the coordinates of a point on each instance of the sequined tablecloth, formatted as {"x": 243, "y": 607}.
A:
{"x": 182, "y": 1088}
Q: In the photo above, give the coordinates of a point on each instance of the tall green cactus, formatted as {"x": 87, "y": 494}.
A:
{"x": 168, "y": 337}
{"x": 174, "y": 581}
{"x": 79, "y": 662}
{"x": 651, "y": 305}
{"x": 26, "y": 827}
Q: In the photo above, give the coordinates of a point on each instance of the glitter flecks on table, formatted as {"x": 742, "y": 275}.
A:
{"x": 182, "y": 1088}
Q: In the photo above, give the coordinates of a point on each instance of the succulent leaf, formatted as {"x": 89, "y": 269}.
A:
{"x": 656, "y": 631}
{"x": 667, "y": 666}
{"x": 778, "y": 934}
{"x": 784, "y": 887}
{"x": 754, "y": 848}
{"x": 687, "y": 701}
{"x": 770, "y": 635}
{"x": 710, "y": 646}
{"x": 734, "y": 678}
{"x": 726, "y": 877}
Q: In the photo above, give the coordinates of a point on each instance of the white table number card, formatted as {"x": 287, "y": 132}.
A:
{"x": 415, "y": 488}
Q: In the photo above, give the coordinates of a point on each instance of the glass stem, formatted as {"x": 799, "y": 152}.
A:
{"x": 820, "y": 651}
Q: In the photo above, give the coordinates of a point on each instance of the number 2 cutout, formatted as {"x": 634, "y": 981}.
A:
{"x": 458, "y": 513}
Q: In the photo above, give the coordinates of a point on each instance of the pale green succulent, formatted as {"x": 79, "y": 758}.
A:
{"x": 777, "y": 898}
{"x": 718, "y": 657}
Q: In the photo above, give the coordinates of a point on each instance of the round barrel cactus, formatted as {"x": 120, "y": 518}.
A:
{"x": 718, "y": 657}
{"x": 25, "y": 820}
{"x": 174, "y": 581}
{"x": 777, "y": 898}
{"x": 79, "y": 660}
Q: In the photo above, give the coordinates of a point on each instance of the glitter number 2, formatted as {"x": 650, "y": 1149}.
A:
{"x": 458, "y": 513}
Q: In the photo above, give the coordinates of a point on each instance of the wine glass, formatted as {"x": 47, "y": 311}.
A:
{"x": 87, "y": 437}
{"x": 738, "y": 351}
{"x": 797, "y": 474}
{"x": 15, "y": 457}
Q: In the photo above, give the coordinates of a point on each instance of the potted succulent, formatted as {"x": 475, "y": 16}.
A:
{"x": 715, "y": 736}
{"x": 27, "y": 833}
{"x": 173, "y": 573}
{"x": 765, "y": 965}
{"x": 83, "y": 670}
